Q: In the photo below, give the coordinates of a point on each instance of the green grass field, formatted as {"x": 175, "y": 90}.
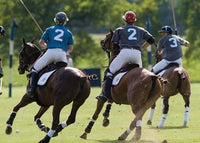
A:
{"x": 120, "y": 119}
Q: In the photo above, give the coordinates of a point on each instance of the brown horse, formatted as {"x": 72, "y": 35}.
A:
{"x": 177, "y": 82}
{"x": 66, "y": 85}
{"x": 139, "y": 88}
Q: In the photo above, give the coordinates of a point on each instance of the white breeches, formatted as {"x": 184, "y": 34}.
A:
{"x": 163, "y": 63}
{"x": 51, "y": 55}
{"x": 125, "y": 56}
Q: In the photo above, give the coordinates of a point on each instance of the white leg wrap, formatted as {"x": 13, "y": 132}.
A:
{"x": 14, "y": 112}
{"x": 92, "y": 120}
{"x": 64, "y": 124}
{"x": 50, "y": 133}
{"x": 139, "y": 123}
{"x": 186, "y": 115}
{"x": 128, "y": 131}
{"x": 162, "y": 121}
{"x": 151, "y": 113}
{"x": 37, "y": 120}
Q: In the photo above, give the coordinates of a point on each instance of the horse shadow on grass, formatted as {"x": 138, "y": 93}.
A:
{"x": 169, "y": 127}
{"x": 127, "y": 141}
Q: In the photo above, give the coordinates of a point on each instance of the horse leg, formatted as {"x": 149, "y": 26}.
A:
{"x": 151, "y": 113}
{"x": 165, "y": 111}
{"x": 72, "y": 117}
{"x": 24, "y": 101}
{"x": 187, "y": 104}
{"x": 94, "y": 118}
{"x": 37, "y": 120}
{"x": 106, "y": 114}
{"x": 56, "y": 119}
{"x": 137, "y": 122}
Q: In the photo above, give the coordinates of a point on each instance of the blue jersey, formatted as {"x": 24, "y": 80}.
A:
{"x": 57, "y": 36}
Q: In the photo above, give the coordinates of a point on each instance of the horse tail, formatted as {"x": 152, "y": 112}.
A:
{"x": 92, "y": 77}
{"x": 153, "y": 78}
{"x": 181, "y": 77}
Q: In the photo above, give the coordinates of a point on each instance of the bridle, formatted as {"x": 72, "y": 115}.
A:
{"x": 25, "y": 63}
{"x": 103, "y": 43}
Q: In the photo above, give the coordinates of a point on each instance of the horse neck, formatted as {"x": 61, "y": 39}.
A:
{"x": 112, "y": 56}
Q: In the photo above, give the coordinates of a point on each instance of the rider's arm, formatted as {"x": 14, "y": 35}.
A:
{"x": 70, "y": 48}
{"x": 42, "y": 44}
{"x": 145, "y": 45}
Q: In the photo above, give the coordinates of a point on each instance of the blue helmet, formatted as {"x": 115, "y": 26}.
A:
{"x": 166, "y": 29}
{"x": 61, "y": 18}
{"x": 2, "y": 30}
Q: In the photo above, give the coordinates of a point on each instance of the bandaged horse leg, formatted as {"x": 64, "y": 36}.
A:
{"x": 187, "y": 109}
{"x": 24, "y": 101}
{"x": 88, "y": 129}
{"x": 151, "y": 113}
{"x": 56, "y": 119}
{"x": 72, "y": 117}
{"x": 165, "y": 111}
{"x": 37, "y": 120}
{"x": 106, "y": 114}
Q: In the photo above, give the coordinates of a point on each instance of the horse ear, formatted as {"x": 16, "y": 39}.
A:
{"x": 33, "y": 40}
{"x": 24, "y": 42}
{"x": 111, "y": 31}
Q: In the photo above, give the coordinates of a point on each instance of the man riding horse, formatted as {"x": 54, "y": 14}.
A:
{"x": 58, "y": 41}
{"x": 170, "y": 48}
{"x": 128, "y": 40}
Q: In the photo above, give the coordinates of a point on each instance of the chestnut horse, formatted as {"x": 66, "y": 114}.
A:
{"x": 139, "y": 88}
{"x": 177, "y": 82}
{"x": 66, "y": 85}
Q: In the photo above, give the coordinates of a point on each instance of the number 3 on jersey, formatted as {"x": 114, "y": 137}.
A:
{"x": 132, "y": 36}
{"x": 59, "y": 35}
{"x": 174, "y": 43}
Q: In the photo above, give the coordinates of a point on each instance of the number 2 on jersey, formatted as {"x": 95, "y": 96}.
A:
{"x": 133, "y": 34}
{"x": 174, "y": 43}
{"x": 60, "y": 34}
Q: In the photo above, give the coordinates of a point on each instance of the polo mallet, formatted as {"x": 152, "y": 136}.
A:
{"x": 31, "y": 16}
{"x": 174, "y": 18}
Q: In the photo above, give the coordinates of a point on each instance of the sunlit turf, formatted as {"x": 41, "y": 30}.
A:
{"x": 120, "y": 118}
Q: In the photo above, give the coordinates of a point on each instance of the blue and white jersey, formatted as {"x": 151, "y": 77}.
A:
{"x": 57, "y": 36}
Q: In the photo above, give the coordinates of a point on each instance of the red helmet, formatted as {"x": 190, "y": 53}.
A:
{"x": 129, "y": 17}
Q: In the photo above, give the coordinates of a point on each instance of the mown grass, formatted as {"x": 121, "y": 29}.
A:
{"x": 120, "y": 119}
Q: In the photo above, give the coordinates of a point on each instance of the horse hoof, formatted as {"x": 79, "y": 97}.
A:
{"x": 164, "y": 141}
{"x": 123, "y": 136}
{"x": 135, "y": 139}
{"x": 46, "y": 139}
{"x": 8, "y": 129}
{"x": 185, "y": 124}
{"x": 106, "y": 122}
{"x": 149, "y": 122}
{"x": 55, "y": 134}
{"x": 84, "y": 136}
{"x": 45, "y": 129}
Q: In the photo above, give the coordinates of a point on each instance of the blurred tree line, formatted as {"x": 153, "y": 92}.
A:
{"x": 88, "y": 16}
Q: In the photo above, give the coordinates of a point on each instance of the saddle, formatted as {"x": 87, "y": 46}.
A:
{"x": 119, "y": 74}
{"x": 49, "y": 70}
{"x": 162, "y": 71}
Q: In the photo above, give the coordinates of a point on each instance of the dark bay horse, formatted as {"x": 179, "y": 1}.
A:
{"x": 139, "y": 88}
{"x": 177, "y": 82}
{"x": 66, "y": 85}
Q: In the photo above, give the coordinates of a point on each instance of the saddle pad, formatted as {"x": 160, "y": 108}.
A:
{"x": 117, "y": 78}
{"x": 43, "y": 79}
{"x": 161, "y": 73}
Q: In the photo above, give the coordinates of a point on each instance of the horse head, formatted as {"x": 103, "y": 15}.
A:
{"x": 107, "y": 45}
{"x": 28, "y": 55}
